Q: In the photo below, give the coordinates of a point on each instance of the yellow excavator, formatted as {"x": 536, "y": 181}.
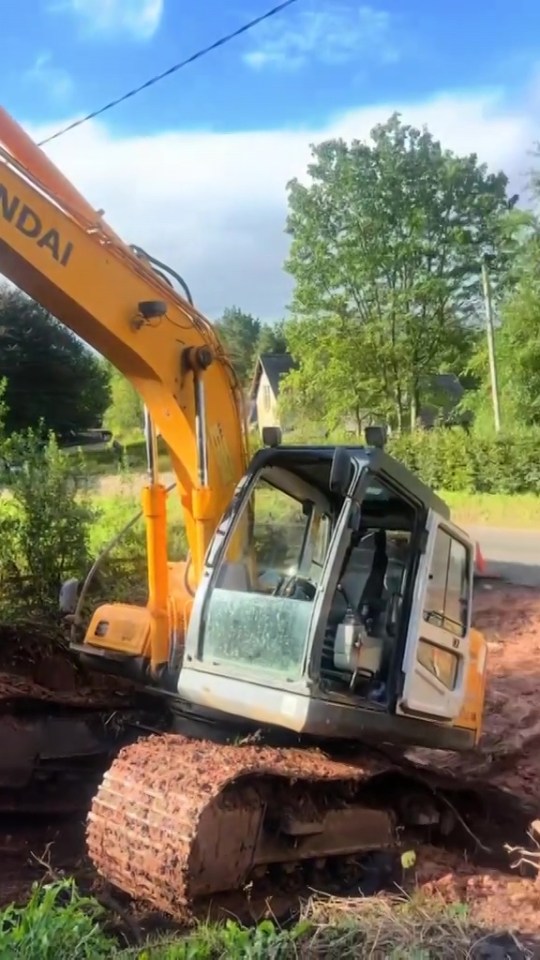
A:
{"x": 322, "y": 616}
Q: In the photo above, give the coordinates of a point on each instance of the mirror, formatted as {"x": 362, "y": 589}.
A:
{"x": 376, "y": 437}
{"x": 271, "y": 436}
{"x": 340, "y": 474}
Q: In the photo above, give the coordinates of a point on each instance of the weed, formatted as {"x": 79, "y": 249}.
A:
{"x": 57, "y": 923}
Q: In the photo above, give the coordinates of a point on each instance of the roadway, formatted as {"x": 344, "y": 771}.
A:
{"x": 512, "y": 554}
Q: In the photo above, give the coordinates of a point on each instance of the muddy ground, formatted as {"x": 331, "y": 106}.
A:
{"x": 32, "y": 847}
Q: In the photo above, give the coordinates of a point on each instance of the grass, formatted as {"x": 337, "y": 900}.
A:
{"x": 59, "y": 924}
{"x": 104, "y": 462}
{"x": 514, "y": 511}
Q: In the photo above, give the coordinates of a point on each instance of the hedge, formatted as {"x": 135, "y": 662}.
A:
{"x": 451, "y": 458}
{"x": 454, "y": 459}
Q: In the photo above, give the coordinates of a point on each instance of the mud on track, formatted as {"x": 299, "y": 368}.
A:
{"x": 509, "y": 758}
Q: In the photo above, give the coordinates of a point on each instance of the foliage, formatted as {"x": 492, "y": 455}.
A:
{"x": 415, "y": 929}
{"x": 387, "y": 244}
{"x": 245, "y": 338}
{"x": 213, "y": 942}
{"x": 517, "y": 348}
{"x": 51, "y": 375}
{"x": 272, "y": 338}
{"x": 57, "y": 923}
{"x": 455, "y": 459}
{"x": 124, "y": 416}
{"x": 44, "y": 524}
{"x": 240, "y": 334}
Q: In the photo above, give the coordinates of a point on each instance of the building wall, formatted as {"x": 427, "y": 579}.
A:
{"x": 267, "y": 415}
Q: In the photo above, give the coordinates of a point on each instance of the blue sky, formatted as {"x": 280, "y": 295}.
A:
{"x": 210, "y": 149}
{"x": 62, "y": 57}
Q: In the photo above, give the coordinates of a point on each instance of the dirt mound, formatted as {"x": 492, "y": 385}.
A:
{"x": 60, "y": 726}
{"x": 37, "y": 665}
{"x": 495, "y": 899}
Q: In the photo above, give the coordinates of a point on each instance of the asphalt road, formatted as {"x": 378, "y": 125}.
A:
{"x": 512, "y": 554}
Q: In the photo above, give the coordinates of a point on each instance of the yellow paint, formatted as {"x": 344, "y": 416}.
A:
{"x": 57, "y": 249}
{"x": 473, "y": 708}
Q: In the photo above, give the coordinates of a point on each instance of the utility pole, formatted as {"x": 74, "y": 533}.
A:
{"x": 491, "y": 345}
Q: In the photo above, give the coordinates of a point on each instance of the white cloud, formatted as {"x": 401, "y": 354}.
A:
{"x": 136, "y": 18}
{"x": 336, "y": 34}
{"x": 54, "y": 81}
{"x": 213, "y": 205}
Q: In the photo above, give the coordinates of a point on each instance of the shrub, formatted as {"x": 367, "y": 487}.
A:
{"x": 454, "y": 459}
{"x": 45, "y": 522}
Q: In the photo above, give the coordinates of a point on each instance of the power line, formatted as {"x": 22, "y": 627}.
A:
{"x": 167, "y": 73}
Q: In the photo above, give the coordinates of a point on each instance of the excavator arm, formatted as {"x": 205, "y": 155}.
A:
{"x": 61, "y": 252}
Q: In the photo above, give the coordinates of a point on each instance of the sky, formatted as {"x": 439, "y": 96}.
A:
{"x": 195, "y": 168}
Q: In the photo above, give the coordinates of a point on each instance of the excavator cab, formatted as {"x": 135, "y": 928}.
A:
{"x": 335, "y": 603}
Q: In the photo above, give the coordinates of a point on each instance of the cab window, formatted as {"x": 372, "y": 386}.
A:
{"x": 447, "y": 593}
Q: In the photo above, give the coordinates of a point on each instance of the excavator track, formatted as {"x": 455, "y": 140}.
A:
{"x": 177, "y": 821}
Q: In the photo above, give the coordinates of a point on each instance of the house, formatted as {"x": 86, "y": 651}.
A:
{"x": 445, "y": 389}
{"x": 270, "y": 369}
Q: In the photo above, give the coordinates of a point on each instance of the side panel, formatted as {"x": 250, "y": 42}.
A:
{"x": 437, "y": 651}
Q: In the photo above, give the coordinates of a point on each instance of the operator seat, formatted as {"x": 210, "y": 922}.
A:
{"x": 363, "y": 582}
{"x": 363, "y": 577}
{"x": 371, "y": 601}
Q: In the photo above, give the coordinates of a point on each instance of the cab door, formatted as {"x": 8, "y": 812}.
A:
{"x": 436, "y": 654}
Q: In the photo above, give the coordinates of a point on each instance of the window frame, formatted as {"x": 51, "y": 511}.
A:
{"x": 266, "y": 397}
{"x": 441, "y": 618}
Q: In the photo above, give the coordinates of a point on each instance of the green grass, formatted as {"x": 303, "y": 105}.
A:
{"x": 59, "y": 924}
{"x": 491, "y": 509}
{"x": 105, "y": 462}
{"x": 516, "y": 511}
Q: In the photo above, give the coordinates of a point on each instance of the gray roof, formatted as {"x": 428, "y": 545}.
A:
{"x": 449, "y": 383}
{"x": 276, "y": 366}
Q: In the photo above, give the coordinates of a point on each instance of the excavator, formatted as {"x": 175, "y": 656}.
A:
{"x": 318, "y": 629}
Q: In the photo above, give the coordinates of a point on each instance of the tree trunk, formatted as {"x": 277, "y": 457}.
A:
{"x": 414, "y": 408}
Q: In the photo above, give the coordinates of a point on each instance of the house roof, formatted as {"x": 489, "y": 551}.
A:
{"x": 449, "y": 383}
{"x": 278, "y": 365}
{"x": 275, "y": 366}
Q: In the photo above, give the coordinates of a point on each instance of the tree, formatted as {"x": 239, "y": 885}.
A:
{"x": 272, "y": 338}
{"x": 240, "y": 334}
{"x": 125, "y": 414}
{"x": 52, "y": 376}
{"x": 517, "y": 348}
{"x": 386, "y": 250}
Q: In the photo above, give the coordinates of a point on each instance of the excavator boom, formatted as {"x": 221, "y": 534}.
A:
{"x": 60, "y": 252}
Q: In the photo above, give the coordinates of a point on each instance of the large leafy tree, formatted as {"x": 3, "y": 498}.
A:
{"x": 240, "y": 334}
{"x": 387, "y": 243}
{"x": 51, "y": 376}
